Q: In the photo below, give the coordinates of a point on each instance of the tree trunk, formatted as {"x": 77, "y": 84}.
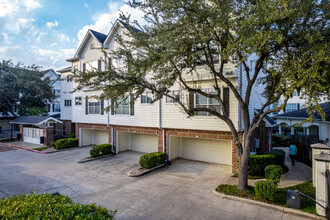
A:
{"x": 243, "y": 165}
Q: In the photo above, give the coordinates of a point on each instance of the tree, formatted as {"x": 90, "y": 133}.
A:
{"x": 288, "y": 39}
{"x": 23, "y": 88}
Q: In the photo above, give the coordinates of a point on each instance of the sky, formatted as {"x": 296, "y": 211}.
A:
{"x": 47, "y": 32}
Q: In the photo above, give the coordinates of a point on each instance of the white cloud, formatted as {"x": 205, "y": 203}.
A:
{"x": 31, "y": 4}
{"x": 86, "y": 5}
{"x": 102, "y": 22}
{"x": 14, "y": 7}
{"x": 52, "y": 24}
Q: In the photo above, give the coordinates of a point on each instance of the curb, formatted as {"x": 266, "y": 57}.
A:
{"x": 28, "y": 149}
{"x": 269, "y": 206}
{"x": 146, "y": 171}
{"x": 87, "y": 159}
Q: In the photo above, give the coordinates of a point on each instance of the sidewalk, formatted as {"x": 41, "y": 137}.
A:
{"x": 23, "y": 145}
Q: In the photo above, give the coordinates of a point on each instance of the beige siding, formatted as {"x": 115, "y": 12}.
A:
{"x": 215, "y": 151}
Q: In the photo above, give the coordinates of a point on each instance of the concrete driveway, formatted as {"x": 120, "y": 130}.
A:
{"x": 180, "y": 191}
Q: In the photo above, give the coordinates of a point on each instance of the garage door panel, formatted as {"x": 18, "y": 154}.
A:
{"x": 123, "y": 141}
{"x": 101, "y": 137}
{"x": 86, "y": 137}
{"x": 144, "y": 143}
{"x": 215, "y": 151}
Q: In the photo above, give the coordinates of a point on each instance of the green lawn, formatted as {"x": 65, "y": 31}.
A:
{"x": 41, "y": 148}
{"x": 307, "y": 205}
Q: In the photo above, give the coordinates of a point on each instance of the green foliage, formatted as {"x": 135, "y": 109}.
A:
{"x": 279, "y": 140}
{"x": 100, "y": 150}
{"x": 46, "y": 206}
{"x": 40, "y": 148}
{"x": 66, "y": 143}
{"x": 72, "y": 135}
{"x": 23, "y": 85}
{"x": 258, "y": 163}
{"x": 233, "y": 190}
{"x": 53, "y": 144}
{"x": 265, "y": 190}
{"x": 280, "y": 156}
{"x": 273, "y": 173}
{"x": 151, "y": 160}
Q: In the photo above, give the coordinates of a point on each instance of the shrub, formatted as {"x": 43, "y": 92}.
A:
{"x": 151, "y": 160}
{"x": 72, "y": 135}
{"x": 258, "y": 163}
{"x": 303, "y": 152}
{"x": 273, "y": 173}
{"x": 66, "y": 143}
{"x": 265, "y": 190}
{"x": 47, "y": 206}
{"x": 279, "y": 140}
{"x": 280, "y": 156}
{"x": 100, "y": 150}
{"x": 53, "y": 144}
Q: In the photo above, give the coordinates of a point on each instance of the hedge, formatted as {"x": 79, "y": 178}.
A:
{"x": 265, "y": 190}
{"x": 258, "y": 163}
{"x": 100, "y": 150}
{"x": 279, "y": 140}
{"x": 47, "y": 206}
{"x": 280, "y": 156}
{"x": 66, "y": 143}
{"x": 72, "y": 135}
{"x": 151, "y": 160}
{"x": 273, "y": 173}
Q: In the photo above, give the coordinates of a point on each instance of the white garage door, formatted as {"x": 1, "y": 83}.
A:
{"x": 101, "y": 137}
{"x": 144, "y": 143}
{"x": 123, "y": 141}
{"x": 86, "y": 137}
{"x": 215, "y": 151}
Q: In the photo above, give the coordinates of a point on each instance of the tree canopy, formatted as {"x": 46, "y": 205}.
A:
{"x": 23, "y": 88}
{"x": 288, "y": 40}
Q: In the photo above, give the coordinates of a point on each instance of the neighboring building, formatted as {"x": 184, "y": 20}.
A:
{"x": 160, "y": 126}
{"x": 292, "y": 123}
{"x": 55, "y": 106}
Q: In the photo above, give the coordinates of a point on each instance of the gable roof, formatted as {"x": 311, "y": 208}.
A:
{"x": 33, "y": 120}
{"x": 302, "y": 113}
{"x": 99, "y": 36}
{"x": 122, "y": 24}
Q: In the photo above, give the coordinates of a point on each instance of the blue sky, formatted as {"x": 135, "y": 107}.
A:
{"x": 46, "y": 32}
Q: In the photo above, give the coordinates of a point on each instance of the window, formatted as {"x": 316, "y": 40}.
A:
{"x": 123, "y": 106}
{"x": 94, "y": 106}
{"x": 291, "y": 107}
{"x": 204, "y": 102}
{"x": 176, "y": 94}
{"x": 78, "y": 101}
{"x": 296, "y": 93}
{"x": 67, "y": 102}
{"x": 57, "y": 107}
{"x": 146, "y": 97}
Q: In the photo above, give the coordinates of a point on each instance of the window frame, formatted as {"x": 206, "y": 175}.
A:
{"x": 146, "y": 95}
{"x": 79, "y": 102}
{"x": 119, "y": 103}
{"x": 208, "y": 104}
{"x": 67, "y": 103}
{"x": 173, "y": 101}
{"x": 92, "y": 106}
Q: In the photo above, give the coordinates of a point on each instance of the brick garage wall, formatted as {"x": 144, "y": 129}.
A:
{"x": 139, "y": 130}
{"x": 92, "y": 126}
{"x": 262, "y": 133}
{"x": 69, "y": 127}
{"x": 48, "y": 135}
{"x": 209, "y": 135}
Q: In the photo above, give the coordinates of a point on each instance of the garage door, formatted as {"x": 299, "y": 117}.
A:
{"x": 123, "y": 141}
{"x": 86, "y": 137}
{"x": 101, "y": 137}
{"x": 144, "y": 143}
{"x": 215, "y": 151}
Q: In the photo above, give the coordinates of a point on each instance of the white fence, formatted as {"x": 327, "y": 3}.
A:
{"x": 32, "y": 135}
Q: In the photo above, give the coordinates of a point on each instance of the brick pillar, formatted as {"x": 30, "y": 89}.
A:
{"x": 21, "y": 132}
{"x": 48, "y": 135}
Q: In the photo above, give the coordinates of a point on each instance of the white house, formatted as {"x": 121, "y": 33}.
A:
{"x": 147, "y": 127}
{"x": 55, "y": 106}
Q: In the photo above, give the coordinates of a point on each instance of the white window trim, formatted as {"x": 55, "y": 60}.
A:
{"x": 152, "y": 97}
{"x": 208, "y": 114}
{"x": 81, "y": 104}
{"x": 129, "y": 109}
{"x": 173, "y": 103}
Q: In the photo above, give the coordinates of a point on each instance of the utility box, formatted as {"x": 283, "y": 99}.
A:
{"x": 293, "y": 199}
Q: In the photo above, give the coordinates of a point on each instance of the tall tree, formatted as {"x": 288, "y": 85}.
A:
{"x": 23, "y": 88}
{"x": 289, "y": 40}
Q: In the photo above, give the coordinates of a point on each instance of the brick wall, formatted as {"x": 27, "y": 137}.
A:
{"x": 48, "y": 135}
{"x": 21, "y": 131}
{"x": 262, "y": 133}
{"x": 77, "y": 126}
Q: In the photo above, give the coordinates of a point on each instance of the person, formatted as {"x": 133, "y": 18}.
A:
{"x": 293, "y": 153}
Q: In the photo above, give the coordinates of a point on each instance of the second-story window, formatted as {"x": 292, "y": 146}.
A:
{"x": 204, "y": 102}
{"x": 57, "y": 107}
{"x": 176, "y": 94}
{"x": 94, "y": 106}
{"x": 123, "y": 106}
{"x": 67, "y": 102}
{"x": 146, "y": 98}
{"x": 78, "y": 101}
{"x": 291, "y": 107}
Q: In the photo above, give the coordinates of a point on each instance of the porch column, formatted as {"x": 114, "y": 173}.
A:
{"x": 307, "y": 131}
{"x": 292, "y": 130}
{"x": 280, "y": 129}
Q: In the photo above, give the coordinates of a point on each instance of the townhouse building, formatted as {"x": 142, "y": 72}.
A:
{"x": 160, "y": 126}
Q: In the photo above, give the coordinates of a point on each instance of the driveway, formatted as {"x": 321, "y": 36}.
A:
{"x": 180, "y": 191}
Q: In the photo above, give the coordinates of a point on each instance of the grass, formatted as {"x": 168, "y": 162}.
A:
{"x": 307, "y": 205}
{"x": 41, "y": 148}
